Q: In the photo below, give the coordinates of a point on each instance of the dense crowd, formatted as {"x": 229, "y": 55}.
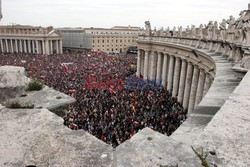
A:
{"x": 111, "y": 114}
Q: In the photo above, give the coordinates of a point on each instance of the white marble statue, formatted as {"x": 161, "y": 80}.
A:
{"x": 161, "y": 31}
{"x": 214, "y": 30}
{"x": 223, "y": 27}
{"x": 180, "y": 31}
{"x": 193, "y": 31}
{"x": 240, "y": 34}
{"x": 231, "y": 22}
{"x": 199, "y": 32}
{"x": 246, "y": 27}
{"x": 210, "y": 29}
{"x": 148, "y": 30}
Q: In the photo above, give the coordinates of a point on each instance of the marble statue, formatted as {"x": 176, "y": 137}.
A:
{"x": 193, "y": 31}
{"x": 231, "y": 29}
{"x": 223, "y": 27}
{"x": 231, "y": 22}
{"x": 148, "y": 30}
{"x": 246, "y": 27}
{"x": 214, "y": 30}
{"x": 161, "y": 31}
{"x": 210, "y": 29}
{"x": 174, "y": 31}
{"x": 199, "y": 32}
{"x": 240, "y": 34}
{"x": 180, "y": 31}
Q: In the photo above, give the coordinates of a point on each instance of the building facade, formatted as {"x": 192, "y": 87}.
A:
{"x": 116, "y": 39}
{"x": 29, "y": 39}
{"x": 75, "y": 38}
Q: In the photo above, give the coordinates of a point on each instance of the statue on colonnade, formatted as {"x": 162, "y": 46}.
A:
{"x": 223, "y": 27}
{"x": 231, "y": 29}
{"x": 179, "y": 31}
{"x": 148, "y": 30}
{"x": 209, "y": 28}
{"x": 199, "y": 32}
{"x": 193, "y": 31}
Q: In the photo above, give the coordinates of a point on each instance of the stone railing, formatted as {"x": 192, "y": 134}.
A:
{"x": 233, "y": 50}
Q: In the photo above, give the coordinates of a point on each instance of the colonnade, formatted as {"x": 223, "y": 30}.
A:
{"x": 187, "y": 81}
{"x": 22, "y": 45}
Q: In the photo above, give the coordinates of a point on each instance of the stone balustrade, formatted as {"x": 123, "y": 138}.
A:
{"x": 186, "y": 61}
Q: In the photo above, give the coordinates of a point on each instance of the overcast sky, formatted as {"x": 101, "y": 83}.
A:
{"x": 108, "y": 13}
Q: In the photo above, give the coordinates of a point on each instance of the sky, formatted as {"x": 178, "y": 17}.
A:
{"x": 108, "y": 13}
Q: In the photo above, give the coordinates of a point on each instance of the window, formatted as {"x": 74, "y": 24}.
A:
{"x": 98, "y": 41}
{"x": 103, "y": 41}
{"x": 120, "y": 40}
{"x": 107, "y": 40}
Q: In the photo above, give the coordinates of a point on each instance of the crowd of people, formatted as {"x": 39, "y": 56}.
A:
{"x": 112, "y": 115}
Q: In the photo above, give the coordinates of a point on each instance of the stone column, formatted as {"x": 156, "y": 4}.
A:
{"x": 187, "y": 85}
{"x": 200, "y": 87}
{"x": 33, "y": 47}
{"x": 153, "y": 66}
{"x": 37, "y": 47}
{"x": 138, "y": 72}
{"x": 7, "y": 45}
{"x": 16, "y": 46}
{"x": 193, "y": 89}
{"x": 142, "y": 62}
{"x": 11, "y": 46}
{"x": 25, "y": 46}
{"x": 145, "y": 75}
{"x": 61, "y": 47}
{"x": 164, "y": 71}
{"x": 51, "y": 47}
{"x": 176, "y": 76}
{"x": 29, "y": 48}
{"x": 1, "y": 43}
{"x": 182, "y": 81}
{"x": 43, "y": 47}
{"x": 207, "y": 84}
{"x": 57, "y": 46}
{"x": 159, "y": 68}
{"x": 47, "y": 47}
{"x": 170, "y": 73}
{"x": 21, "y": 46}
